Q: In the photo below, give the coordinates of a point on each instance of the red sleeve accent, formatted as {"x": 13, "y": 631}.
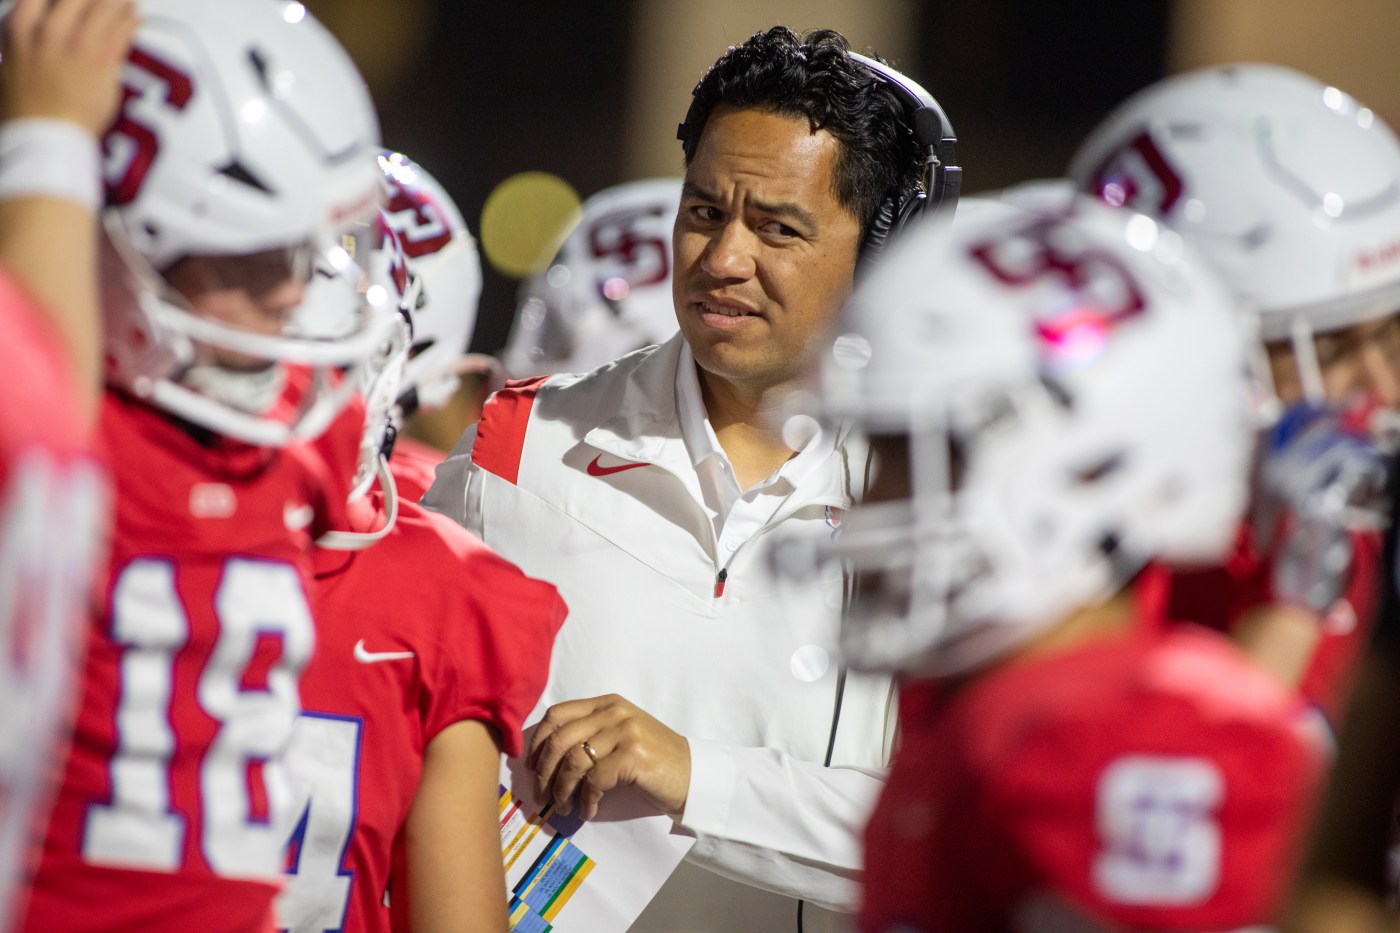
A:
{"x": 500, "y": 434}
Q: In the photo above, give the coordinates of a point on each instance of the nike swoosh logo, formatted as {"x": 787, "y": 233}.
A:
{"x": 370, "y": 657}
{"x": 297, "y": 517}
{"x": 596, "y": 469}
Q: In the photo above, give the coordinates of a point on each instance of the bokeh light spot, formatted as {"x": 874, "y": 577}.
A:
{"x": 522, "y": 220}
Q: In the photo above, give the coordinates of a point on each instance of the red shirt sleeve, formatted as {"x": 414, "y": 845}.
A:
{"x": 496, "y": 635}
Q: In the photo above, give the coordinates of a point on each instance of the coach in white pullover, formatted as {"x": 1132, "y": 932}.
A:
{"x": 649, "y": 491}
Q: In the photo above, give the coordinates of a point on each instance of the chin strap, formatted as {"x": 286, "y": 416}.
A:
{"x": 358, "y": 541}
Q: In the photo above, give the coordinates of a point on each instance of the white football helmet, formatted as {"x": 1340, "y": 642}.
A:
{"x": 246, "y": 136}
{"x": 443, "y": 255}
{"x": 1072, "y": 385}
{"x": 419, "y": 238}
{"x": 1290, "y": 188}
{"x": 608, "y": 290}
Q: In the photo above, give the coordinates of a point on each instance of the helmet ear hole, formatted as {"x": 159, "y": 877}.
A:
{"x": 1101, "y": 470}
{"x": 259, "y": 64}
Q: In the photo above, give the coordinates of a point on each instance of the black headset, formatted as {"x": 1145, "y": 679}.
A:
{"x": 936, "y": 189}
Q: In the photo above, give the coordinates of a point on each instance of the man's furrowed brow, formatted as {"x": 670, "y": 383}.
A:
{"x": 690, "y": 189}
{"x": 789, "y": 209}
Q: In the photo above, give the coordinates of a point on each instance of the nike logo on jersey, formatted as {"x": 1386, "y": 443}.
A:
{"x": 297, "y": 517}
{"x": 597, "y": 469}
{"x": 371, "y": 657}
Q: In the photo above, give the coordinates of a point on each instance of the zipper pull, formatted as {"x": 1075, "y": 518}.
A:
{"x": 719, "y": 582}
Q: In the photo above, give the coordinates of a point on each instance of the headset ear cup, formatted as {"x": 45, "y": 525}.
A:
{"x": 878, "y": 233}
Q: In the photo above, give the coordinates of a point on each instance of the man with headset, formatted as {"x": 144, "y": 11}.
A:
{"x": 650, "y": 490}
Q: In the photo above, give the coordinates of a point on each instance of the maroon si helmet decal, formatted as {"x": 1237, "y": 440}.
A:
{"x": 420, "y": 224}
{"x": 642, "y": 260}
{"x": 1099, "y": 294}
{"x": 1138, "y": 175}
{"x": 133, "y": 141}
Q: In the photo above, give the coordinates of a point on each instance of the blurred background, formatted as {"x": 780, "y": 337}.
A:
{"x": 520, "y": 109}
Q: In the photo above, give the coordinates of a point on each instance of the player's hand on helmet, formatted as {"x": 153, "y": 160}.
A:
{"x": 1321, "y": 478}
{"x": 63, "y": 58}
{"x": 584, "y": 748}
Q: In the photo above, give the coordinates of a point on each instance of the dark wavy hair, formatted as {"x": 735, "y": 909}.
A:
{"x": 813, "y": 78}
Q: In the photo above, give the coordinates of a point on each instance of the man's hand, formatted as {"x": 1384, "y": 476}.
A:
{"x": 627, "y": 746}
{"x": 63, "y": 58}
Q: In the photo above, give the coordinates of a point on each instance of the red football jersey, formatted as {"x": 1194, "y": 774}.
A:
{"x": 414, "y": 465}
{"x": 1155, "y": 781}
{"x": 53, "y": 524}
{"x": 1219, "y": 597}
{"x": 426, "y": 628}
{"x": 172, "y": 810}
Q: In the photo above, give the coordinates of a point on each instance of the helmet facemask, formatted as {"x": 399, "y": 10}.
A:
{"x": 382, "y": 423}
{"x": 266, "y": 385}
{"x": 389, "y": 283}
{"x": 1009, "y": 525}
{"x": 1345, "y": 366}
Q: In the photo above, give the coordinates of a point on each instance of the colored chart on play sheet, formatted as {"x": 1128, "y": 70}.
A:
{"x": 553, "y": 874}
{"x": 567, "y": 876}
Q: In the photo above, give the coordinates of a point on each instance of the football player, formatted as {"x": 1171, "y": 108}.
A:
{"x": 1288, "y": 187}
{"x": 1038, "y": 446}
{"x": 241, "y": 158}
{"x": 419, "y": 682}
{"x": 58, "y": 90}
{"x": 444, "y": 385}
{"x": 608, "y": 290}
